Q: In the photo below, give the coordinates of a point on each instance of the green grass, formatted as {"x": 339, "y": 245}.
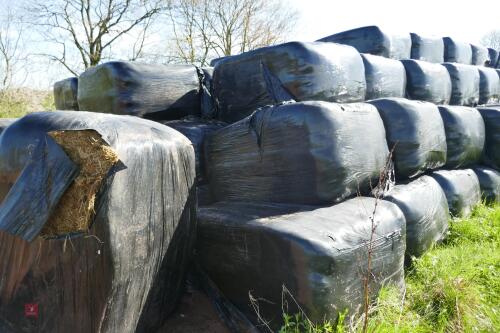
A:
{"x": 454, "y": 287}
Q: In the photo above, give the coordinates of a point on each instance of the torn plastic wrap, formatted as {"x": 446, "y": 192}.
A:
{"x": 384, "y": 77}
{"x": 305, "y": 153}
{"x": 489, "y": 181}
{"x": 465, "y": 135}
{"x": 493, "y": 57}
{"x": 207, "y": 102}
{"x": 126, "y": 273}
{"x": 461, "y": 188}
{"x": 428, "y": 82}
{"x": 197, "y": 131}
{"x": 489, "y": 85}
{"x": 480, "y": 55}
{"x": 318, "y": 254}
{"x": 373, "y": 40}
{"x": 457, "y": 51}
{"x": 491, "y": 152}
{"x": 66, "y": 93}
{"x": 427, "y": 48}
{"x": 145, "y": 90}
{"x": 290, "y": 71}
{"x": 464, "y": 84}
{"x": 425, "y": 208}
{"x": 415, "y": 133}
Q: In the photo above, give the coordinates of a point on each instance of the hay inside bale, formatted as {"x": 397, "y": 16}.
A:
{"x": 75, "y": 210}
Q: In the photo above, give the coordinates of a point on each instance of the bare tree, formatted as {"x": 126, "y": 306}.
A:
{"x": 11, "y": 58}
{"x": 85, "y": 30}
{"x": 492, "y": 39}
{"x": 215, "y": 28}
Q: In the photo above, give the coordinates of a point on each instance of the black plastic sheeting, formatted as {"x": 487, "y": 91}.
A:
{"x": 489, "y": 85}
{"x": 373, "y": 40}
{"x": 457, "y": 51}
{"x": 428, "y": 82}
{"x": 208, "y": 110}
{"x": 491, "y": 117}
{"x": 49, "y": 171}
{"x": 427, "y": 48}
{"x": 425, "y": 208}
{"x": 493, "y": 57}
{"x": 145, "y": 90}
{"x": 291, "y": 71}
{"x": 66, "y": 93}
{"x": 464, "y": 84}
{"x": 384, "y": 77}
{"x": 305, "y": 153}
{"x": 489, "y": 181}
{"x": 197, "y": 130}
{"x": 205, "y": 196}
{"x": 465, "y": 135}
{"x": 318, "y": 254}
{"x": 480, "y": 55}
{"x": 461, "y": 188}
{"x": 126, "y": 273}
{"x": 415, "y": 133}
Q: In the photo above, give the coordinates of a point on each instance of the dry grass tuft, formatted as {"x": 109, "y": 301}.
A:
{"x": 92, "y": 154}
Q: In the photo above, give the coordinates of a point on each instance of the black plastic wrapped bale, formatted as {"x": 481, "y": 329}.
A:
{"x": 318, "y": 254}
{"x": 373, "y": 40}
{"x": 5, "y": 182}
{"x": 197, "y": 130}
{"x": 214, "y": 62}
{"x": 461, "y": 188}
{"x": 492, "y": 57}
{"x": 489, "y": 181}
{"x": 457, "y": 51}
{"x": 464, "y": 84}
{"x": 122, "y": 271}
{"x": 6, "y": 122}
{"x": 291, "y": 71}
{"x": 425, "y": 208}
{"x": 480, "y": 55}
{"x": 304, "y": 153}
{"x": 491, "y": 152}
{"x": 465, "y": 135}
{"x": 415, "y": 133}
{"x": 145, "y": 90}
{"x": 66, "y": 93}
{"x": 428, "y": 82}
{"x": 427, "y": 48}
{"x": 384, "y": 77}
{"x": 400, "y": 46}
{"x": 489, "y": 85}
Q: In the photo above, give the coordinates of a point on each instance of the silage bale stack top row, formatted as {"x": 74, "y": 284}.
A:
{"x": 293, "y": 154}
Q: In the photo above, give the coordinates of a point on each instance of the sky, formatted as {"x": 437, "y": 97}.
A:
{"x": 465, "y": 20}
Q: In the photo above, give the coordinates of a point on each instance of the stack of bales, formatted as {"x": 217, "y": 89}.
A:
{"x": 307, "y": 157}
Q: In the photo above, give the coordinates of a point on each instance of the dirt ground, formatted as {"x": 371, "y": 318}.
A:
{"x": 194, "y": 314}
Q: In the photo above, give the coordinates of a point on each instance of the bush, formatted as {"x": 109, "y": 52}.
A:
{"x": 15, "y": 103}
